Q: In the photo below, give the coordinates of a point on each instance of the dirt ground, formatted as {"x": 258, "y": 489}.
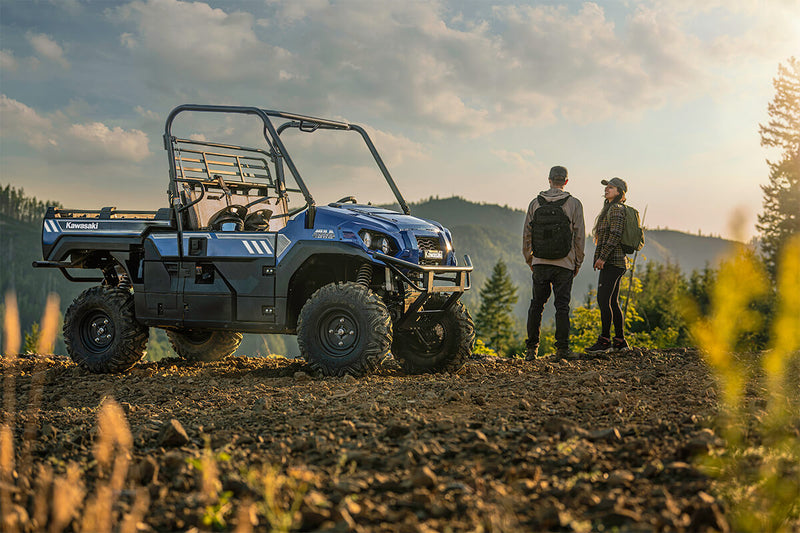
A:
{"x": 500, "y": 445}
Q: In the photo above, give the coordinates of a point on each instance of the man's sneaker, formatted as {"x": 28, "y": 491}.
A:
{"x": 566, "y": 353}
{"x": 601, "y": 346}
{"x": 532, "y": 353}
{"x": 618, "y": 344}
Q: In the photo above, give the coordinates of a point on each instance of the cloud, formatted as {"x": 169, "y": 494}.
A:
{"x": 47, "y": 48}
{"x": 397, "y": 149}
{"x": 524, "y": 159}
{"x": 196, "y": 42}
{"x": 55, "y": 137}
{"x": 422, "y": 65}
{"x": 73, "y": 7}
{"x": 343, "y": 148}
{"x": 148, "y": 114}
{"x": 294, "y": 11}
{"x": 20, "y": 120}
{"x": 110, "y": 142}
{"x": 7, "y": 60}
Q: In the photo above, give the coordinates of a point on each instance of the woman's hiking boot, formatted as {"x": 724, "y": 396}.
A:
{"x": 602, "y": 345}
{"x": 618, "y": 344}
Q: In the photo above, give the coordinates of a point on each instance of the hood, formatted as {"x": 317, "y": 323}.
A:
{"x": 399, "y": 220}
{"x": 382, "y": 218}
{"x": 553, "y": 195}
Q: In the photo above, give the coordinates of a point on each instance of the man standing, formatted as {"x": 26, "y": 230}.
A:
{"x": 553, "y": 238}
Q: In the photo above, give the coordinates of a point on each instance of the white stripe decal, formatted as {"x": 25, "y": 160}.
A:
{"x": 248, "y": 247}
{"x": 267, "y": 247}
{"x": 256, "y": 246}
{"x": 48, "y": 226}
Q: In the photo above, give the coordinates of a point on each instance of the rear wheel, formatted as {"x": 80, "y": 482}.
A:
{"x": 437, "y": 343}
{"x": 101, "y": 332}
{"x": 203, "y": 344}
{"x": 344, "y": 328}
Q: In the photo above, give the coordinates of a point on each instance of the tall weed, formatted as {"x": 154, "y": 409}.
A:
{"x": 758, "y": 474}
{"x": 59, "y": 501}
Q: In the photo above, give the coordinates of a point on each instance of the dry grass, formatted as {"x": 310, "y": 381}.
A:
{"x": 60, "y": 501}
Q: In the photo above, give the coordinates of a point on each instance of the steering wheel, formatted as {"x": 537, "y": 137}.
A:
{"x": 351, "y": 199}
{"x": 229, "y": 214}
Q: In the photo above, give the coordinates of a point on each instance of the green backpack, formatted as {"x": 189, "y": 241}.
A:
{"x": 632, "y": 233}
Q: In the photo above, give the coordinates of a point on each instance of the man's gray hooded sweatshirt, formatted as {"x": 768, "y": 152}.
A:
{"x": 574, "y": 211}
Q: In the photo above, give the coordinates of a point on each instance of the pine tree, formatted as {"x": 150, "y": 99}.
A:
{"x": 780, "y": 218}
{"x": 495, "y": 322}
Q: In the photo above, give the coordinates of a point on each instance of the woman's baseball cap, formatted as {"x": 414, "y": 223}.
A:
{"x": 619, "y": 183}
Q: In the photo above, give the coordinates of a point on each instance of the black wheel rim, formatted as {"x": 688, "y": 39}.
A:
{"x": 197, "y": 336}
{"x": 97, "y": 332}
{"x": 428, "y": 340}
{"x": 338, "y": 332}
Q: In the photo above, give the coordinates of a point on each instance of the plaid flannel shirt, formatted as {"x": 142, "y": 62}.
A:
{"x": 609, "y": 237}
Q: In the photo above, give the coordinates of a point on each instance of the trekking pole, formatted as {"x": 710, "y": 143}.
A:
{"x": 633, "y": 267}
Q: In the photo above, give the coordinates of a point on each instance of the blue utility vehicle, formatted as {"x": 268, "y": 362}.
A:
{"x": 229, "y": 255}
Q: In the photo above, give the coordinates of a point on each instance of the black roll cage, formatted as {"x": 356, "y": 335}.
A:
{"x": 278, "y": 151}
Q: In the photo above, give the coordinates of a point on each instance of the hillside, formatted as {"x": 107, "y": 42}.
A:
{"x": 20, "y": 245}
{"x": 486, "y": 232}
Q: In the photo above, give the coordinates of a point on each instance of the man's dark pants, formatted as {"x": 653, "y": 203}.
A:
{"x": 559, "y": 279}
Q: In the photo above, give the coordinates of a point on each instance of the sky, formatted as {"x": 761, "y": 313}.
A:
{"x": 470, "y": 98}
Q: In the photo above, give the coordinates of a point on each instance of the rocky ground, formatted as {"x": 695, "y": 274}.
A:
{"x": 499, "y": 445}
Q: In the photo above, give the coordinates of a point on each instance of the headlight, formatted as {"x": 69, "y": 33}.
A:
{"x": 374, "y": 240}
{"x": 448, "y": 241}
{"x": 367, "y": 238}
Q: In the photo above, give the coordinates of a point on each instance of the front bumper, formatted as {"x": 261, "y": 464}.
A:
{"x": 457, "y": 281}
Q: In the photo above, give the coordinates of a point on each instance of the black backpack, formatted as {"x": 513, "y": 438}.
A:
{"x": 551, "y": 230}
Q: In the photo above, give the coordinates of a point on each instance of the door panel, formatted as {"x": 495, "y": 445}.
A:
{"x": 231, "y": 277}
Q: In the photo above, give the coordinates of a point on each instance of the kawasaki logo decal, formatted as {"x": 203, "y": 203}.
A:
{"x": 82, "y": 225}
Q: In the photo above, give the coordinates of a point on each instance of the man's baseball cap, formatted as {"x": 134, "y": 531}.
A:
{"x": 558, "y": 173}
{"x": 619, "y": 183}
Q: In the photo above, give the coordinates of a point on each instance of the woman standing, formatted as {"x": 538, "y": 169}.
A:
{"x": 610, "y": 260}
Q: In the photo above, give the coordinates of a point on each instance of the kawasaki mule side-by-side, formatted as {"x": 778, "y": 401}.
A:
{"x": 230, "y": 255}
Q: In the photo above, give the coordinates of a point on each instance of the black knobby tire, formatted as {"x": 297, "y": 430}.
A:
{"x": 203, "y": 344}
{"x": 439, "y": 343}
{"x": 101, "y": 332}
{"x": 344, "y": 328}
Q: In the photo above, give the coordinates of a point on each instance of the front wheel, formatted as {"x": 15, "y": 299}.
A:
{"x": 437, "y": 343}
{"x": 101, "y": 332}
{"x": 344, "y": 328}
{"x": 203, "y": 344}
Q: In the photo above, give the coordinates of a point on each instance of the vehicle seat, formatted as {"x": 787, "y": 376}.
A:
{"x": 258, "y": 220}
{"x": 199, "y": 216}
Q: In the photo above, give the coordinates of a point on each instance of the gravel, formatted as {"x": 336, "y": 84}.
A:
{"x": 502, "y": 445}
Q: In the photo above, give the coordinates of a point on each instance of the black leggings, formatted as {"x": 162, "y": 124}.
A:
{"x": 608, "y": 300}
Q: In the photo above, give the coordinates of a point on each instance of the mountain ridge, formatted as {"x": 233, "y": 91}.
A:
{"x": 488, "y": 232}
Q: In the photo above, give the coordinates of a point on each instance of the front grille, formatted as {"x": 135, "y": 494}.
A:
{"x": 429, "y": 243}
